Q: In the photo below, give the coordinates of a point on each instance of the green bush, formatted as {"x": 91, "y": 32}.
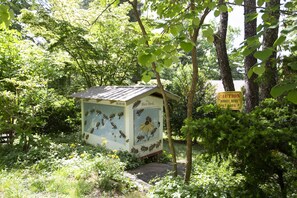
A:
{"x": 262, "y": 143}
{"x": 180, "y": 86}
{"x": 35, "y": 109}
{"x": 63, "y": 115}
{"x": 210, "y": 178}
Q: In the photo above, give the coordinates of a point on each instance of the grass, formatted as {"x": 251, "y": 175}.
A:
{"x": 62, "y": 166}
{"x": 180, "y": 149}
{"x": 58, "y": 167}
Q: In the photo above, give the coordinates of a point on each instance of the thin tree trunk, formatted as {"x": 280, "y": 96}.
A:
{"x": 269, "y": 78}
{"x": 192, "y": 92}
{"x": 165, "y": 99}
{"x": 221, "y": 49}
{"x": 250, "y": 29}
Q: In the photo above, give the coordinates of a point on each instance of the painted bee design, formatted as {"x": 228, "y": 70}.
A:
{"x": 87, "y": 136}
{"x": 152, "y": 147}
{"x": 98, "y": 112}
{"x": 105, "y": 117}
{"x": 122, "y": 134}
{"x": 144, "y": 148}
{"x": 102, "y": 121}
{"x": 92, "y": 130}
{"x": 86, "y": 113}
{"x": 111, "y": 116}
{"x": 158, "y": 144}
{"x": 92, "y": 111}
{"x": 134, "y": 150}
{"x": 154, "y": 131}
{"x": 136, "y": 104}
{"x": 139, "y": 112}
{"x": 120, "y": 114}
{"x": 97, "y": 124}
{"x": 113, "y": 125}
{"x": 140, "y": 138}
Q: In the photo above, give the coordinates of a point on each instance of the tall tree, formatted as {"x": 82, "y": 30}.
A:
{"x": 191, "y": 94}
{"x": 145, "y": 35}
{"x": 221, "y": 49}
{"x": 271, "y": 18}
{"x": 250, "y": 30}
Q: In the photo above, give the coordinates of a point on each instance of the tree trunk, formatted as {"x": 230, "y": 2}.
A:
{"x": 192, "y": 92}
{"x": 165, "y": 99}
{"x": 221, "y": 49}
{"x": 250, "y": 29}
{"x": 269, "y": 78}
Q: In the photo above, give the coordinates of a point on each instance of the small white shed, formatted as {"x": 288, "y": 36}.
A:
{"x": 124, "y": 118}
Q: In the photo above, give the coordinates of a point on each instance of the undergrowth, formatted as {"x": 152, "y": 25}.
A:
{"x": 54, "y": 167}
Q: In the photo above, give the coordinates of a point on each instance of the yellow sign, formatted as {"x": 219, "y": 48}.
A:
{"x": 230, "y": 99}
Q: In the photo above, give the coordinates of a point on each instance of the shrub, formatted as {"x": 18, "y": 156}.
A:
{"x": 263, "y": 144}
{"x": 180, "y": 86}
{"x": 210, "y": 178}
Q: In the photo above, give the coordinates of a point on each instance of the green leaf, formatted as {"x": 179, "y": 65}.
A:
{"x": 289, "y": 5}
{"x": 259, "y": 70}
{"x": 279, "y": 40}
{"x": 146, "y": 78}
{"x": 278, "y": 90}
{"x": 5, "y": 16}
{"x": 216, "y": 13}
{"x": 260, "y": 27}
{"x": 223, "y": 8}
{"x": 265, "y": 17}
{"x": 168, "y": 62}
{"x": 251, "y": 16}
{"x": 167, "y": 48}
{"x": 207, "y": 32}
{"x": 174, "y": 31}
{"x": 292, "y": 96}
{"x": 158, "y": 68}
{"x": 196, "y": 22}
{"x": 293, "y": 65}
{"x": 250, "y": 72}
{"x": 263, "y": 55}
{"x": 186, "y": 46}
{"x": 212, "y": 5}
{"x": 249, "y": 49}
{"x": 210, "y": 39}
{"x": 238, "y": 2}
{"x": 145, "y": 59}
{"x": 142, "y": 40}
{"x": 260, "y": 2}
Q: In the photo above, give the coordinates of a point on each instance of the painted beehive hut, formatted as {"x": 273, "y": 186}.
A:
{"x": 124, "y": 118}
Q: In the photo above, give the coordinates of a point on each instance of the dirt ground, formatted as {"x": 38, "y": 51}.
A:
{"x": 150, "y": 171}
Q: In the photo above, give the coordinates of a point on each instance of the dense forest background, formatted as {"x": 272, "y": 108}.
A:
{"x": 51, "y": 49}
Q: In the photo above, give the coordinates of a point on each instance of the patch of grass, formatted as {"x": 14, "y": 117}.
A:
{"x": 62, "y": 169}
{"x": 180, "y": 149}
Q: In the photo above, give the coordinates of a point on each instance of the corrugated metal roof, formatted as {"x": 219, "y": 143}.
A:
{"x": 126, "y": 94}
